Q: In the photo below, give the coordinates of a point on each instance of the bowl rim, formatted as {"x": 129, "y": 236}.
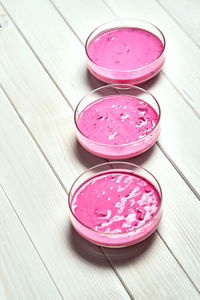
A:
{"x": 122, "y": 86}
{"x": 108, "y": 163}
{"x": 126, "y": 19}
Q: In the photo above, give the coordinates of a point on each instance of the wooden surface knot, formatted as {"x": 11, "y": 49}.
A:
{"x": 4, "y": 21}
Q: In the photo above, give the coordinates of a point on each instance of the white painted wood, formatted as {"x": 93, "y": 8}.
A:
{"x": 44, "y": 114}
{"x": 183, "y": 57}
{"x": 95, "y": 12}
{"x": 176, "y": 229}
{"x": 66, "y": 64}
{"x": 56, "y": 126}
{"x": 180, "y": 227}
{"x": 60, "y": 51}
{"x": 151, "y": 288}
{"x": 186, "y": 13}
{"x": 41, "y": 204}
{"x": 22, "y": 273}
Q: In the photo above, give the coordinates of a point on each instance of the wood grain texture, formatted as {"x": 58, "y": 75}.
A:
{"x": 177, "y": 132}
{"x": 134, "y": 274}
{"x": 43, "y": 114}
{"x": 43, "y": 109}
{"x": 183, "y": 56}
{"x": 64, "y": 60}
{"x": 186, "y": 14}
{"x": 69, "y": 58}
{"x": 180, "y": 226}
{"x": 22, "y": 273}
{"x": 41, "y": 204}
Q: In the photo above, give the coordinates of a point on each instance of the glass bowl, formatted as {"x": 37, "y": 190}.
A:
{"x": 121, "y": 151}
{"x": 109, "y": 239}
{"x": 136, "y": 75}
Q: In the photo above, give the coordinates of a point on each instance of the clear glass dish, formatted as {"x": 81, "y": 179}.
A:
{"x": 110, "y": 239}
{"x": 133, "y": 76}
{"x": 121, "y": 151}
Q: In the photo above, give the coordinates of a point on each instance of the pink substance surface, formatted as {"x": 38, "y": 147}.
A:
{"x": 118, "y": 120}
{"x": 120, "y": 207}
{"x": 120, "y": 55}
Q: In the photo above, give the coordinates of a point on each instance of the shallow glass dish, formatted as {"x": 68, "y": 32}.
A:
{"x": 113, "y": 172}
{"x": 133, "y": 57}
{"x": 126, "y": 147}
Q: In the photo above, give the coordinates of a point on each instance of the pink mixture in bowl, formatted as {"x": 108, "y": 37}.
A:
{"x": 119, "y": 125}
{"x": 125, "y": 54}
{"x": 116, "y": 207}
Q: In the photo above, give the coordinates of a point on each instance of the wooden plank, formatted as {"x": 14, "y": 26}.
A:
{"x": 66, "y": 64}
{"x": 130, "y": 267}
{"x": 56, "y": 127}
{"x": 65, "y": 55}
{"x": 98, "y": 14}
{"x": 49, "y": 123}
{"x": 186, "y": 14}
{"x": 22, "y": 275}
{"x": 180, "y": 209}
{"x": 172, "y": 103}
{"x": 183, "y": 57}
{"x": 41, "y": 204}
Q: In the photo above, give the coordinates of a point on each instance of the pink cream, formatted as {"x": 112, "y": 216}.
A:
{"x": 117, "y": 208}
{"x": 125, "y": 55}
{"x": 118, "y": 126}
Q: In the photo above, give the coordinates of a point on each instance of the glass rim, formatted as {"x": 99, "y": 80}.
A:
{"x": 124, "y": 163}
{"x": 119, "y": 85}
{"x": 131, "y": 19}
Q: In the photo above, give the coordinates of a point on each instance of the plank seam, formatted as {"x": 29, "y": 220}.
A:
{"x": 48, "y": 162}
{"x": 59, "y": 180}
{"x": 179, "y": 92}
{"x": 106, "y": 4}
{"x": 194, "y": 191}
{"x": 182, "y": 96}
{"x": 31, "y": 241}
{"x": 196, "y": 288}
{"x": 110, "y": 8}
{"x": 176, "y": 21}
{"x": 66, "y": 22}
{"x": 117, "y": 274}
{"x": 35, "y": 141}
{"x": 35, "y": 54}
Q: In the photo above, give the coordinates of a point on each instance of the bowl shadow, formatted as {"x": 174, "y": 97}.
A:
{"x": 101, "y": 255}
{"x": 95, "y": 83}
{"x": 88, "y": 160}
{"x": 141, "y": 158}
{"x": 92, "y": 81}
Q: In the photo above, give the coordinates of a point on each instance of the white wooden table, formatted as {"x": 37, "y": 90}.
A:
{"x": 43, "y": 75}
